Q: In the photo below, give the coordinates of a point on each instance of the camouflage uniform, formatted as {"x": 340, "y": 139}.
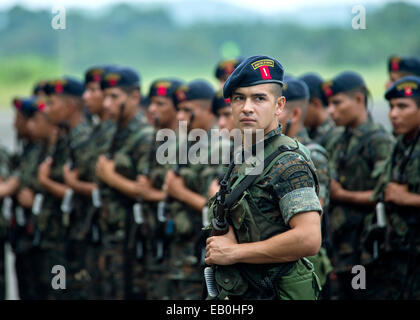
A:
{"x": 284, "y": 189}
{"x": 325, "y": 133}
{"x": 158, "y": 242}
{"x": 83, "y": 249}
{"x": 322, "y": 263}
{"x": 395, "y": 274}
{"x": 25, "y": 254}
{"x": 4, "y": 172}
{"x": 50, "y": 220}
{"x": 356, "y": 160}
{"x": 188, "y": 245}
{"x": 123, "y": 276}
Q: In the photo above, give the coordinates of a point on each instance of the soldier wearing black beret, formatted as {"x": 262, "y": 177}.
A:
{"x": 395, "y": 272}
{"x": 65, "y": 110}
{"x": 253, "y": 247}
{"x": 119, "y": 173}
{"x": 360, "y": 150}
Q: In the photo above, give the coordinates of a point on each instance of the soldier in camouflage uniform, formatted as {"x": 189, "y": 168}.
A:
{"x": 162, "y": 110}
{"x": 83, "y": 233}
{"x": 122, "y": 224}
{"x": 297, "y": 95}
{"x": 187, "y": 186}
{"x": 321, "y": 128}
{"x": 395, "y": 273}
{"x": 64, "y": 110}
{"x": 356, "y": 158}
{"x": 274, "y": 216}
{"x": 26, "y": 173}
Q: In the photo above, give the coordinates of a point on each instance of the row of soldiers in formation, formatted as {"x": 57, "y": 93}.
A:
{"x": 85, "y": 189}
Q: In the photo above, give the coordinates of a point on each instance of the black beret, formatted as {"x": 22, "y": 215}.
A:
{"x": 253, "y": 71}
{"x": 295, "y": 89}
{"x": 314, "y": 83}
{"x": 95, "y": 74}
{"x": 165, "y": 88}
{"x": 406, "y": 64}
{"x": 195, "y": 90}
{"x": 28, "y": 106}
{"x": 65, "y": 85}
{"x": 116, "y": 76}
{"x": 345, "y": 81}
{"x": 219, "y": 102}
{"x": 39, "y": 87}
{"x": 226, "y": 67}
{"x": 405, "y": 87}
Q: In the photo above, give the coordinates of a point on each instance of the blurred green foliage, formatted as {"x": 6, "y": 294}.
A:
{"x": 150, "y": 41}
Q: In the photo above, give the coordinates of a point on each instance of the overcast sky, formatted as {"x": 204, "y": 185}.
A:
{"x": 263, "y": 6}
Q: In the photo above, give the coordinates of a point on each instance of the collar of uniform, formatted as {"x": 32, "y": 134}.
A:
{"x": 363, "y": 128}
{"x": 273, "y": 132}
{"x": 303, "y": 136}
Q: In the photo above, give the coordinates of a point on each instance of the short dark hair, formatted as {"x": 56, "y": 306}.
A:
{"x": 365, "y": 91}
{"x": 276, "y": 90}
{"x": 417, "y": 101}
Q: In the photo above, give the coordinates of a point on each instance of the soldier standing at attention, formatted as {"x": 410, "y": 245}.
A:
{"x": 395, "y": 274}
{"x": 274, "y": 217}
{"x": 122, "y": 274}
{"x": 83, "y": 233}
{"x": 65, "y": 111}
{"x": 163, "y": 112}
{"x": 356, "y": 159}
{"x": 297, "y": 96}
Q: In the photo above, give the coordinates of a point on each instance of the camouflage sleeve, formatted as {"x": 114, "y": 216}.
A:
{"x": 381, "y": 149}
{"x": 4, "y": 163}
{"x": 294, "y": 186}
{"x": 324, "y": 175}
{"x": 143, "y": 155}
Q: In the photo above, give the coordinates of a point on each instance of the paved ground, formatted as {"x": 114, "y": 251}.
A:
{"x": 379, "y": 113}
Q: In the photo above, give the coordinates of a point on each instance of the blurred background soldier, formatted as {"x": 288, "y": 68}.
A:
{"x": 122, "y": 270}
{"x": 356, "y": 157}
{"x": 395, "y": 273}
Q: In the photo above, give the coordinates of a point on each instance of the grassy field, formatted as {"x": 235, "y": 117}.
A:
{"x": 17, "y": 75}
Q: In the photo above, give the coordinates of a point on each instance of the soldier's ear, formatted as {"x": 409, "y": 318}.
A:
{"x": 280, "y": 105}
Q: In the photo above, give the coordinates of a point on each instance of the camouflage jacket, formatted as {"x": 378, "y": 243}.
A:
{"x": 88, "y": 151}
{"x": 326, "y": 133}
{"x": 357, "y": 158}
{"x": 319, "y": 157}
{"x": 49, "y": 220}
{"x": 403, "y": 166}
{"x": 287, "y": 189}
{"x": 133, "y": 144}
{"x": 197, "y": 177}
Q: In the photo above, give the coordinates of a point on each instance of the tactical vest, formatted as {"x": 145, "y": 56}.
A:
{"x": 292, "y": 280}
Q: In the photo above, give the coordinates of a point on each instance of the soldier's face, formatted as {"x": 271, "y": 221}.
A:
{"x": 163, "y": 109}
{"x": 225, "y": 118}
{"x": 93, "y": 98}
{"x": 341, "y": 108}
{"x": 394, "y": 76}
{"x": 57, "y": 109}
{"x": 404, "y": 115}
{"x": 115, "y": 97}
{"x": 39, "y": 126}
{"x": 186, "y": 110}
{"x": 256, "y": 107}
